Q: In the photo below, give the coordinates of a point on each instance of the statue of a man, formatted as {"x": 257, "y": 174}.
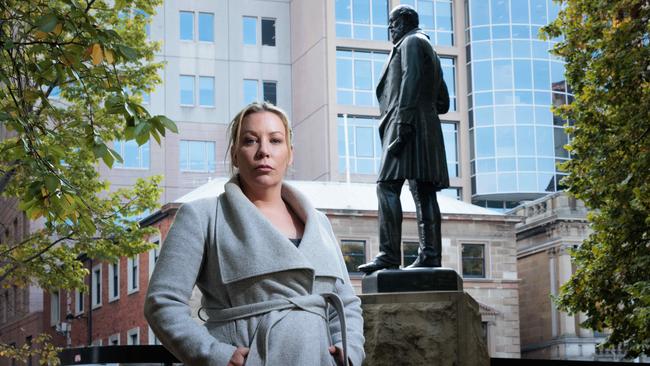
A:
{"x": 411, "y": 94}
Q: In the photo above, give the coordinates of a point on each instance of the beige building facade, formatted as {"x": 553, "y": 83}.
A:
{"x": 550, "y": 228}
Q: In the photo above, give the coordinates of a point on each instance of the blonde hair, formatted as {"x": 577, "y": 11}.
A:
{"x": 235, "y": 126}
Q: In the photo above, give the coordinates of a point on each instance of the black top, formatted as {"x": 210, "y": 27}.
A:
{"x": 295, "y": 241}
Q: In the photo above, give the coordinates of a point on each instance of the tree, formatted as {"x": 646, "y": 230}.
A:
{"x": 606, "y": 45}
{"x": 72, "y": 75}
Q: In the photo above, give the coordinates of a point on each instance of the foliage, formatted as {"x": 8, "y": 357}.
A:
{"x": 606, "y": 45}
{"x": 97, "y": 55}
{"x": 40, "y": 347}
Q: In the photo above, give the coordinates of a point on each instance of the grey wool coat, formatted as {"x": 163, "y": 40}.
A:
{"x": 259, "y": 290}
{"x": 411, "y": 93}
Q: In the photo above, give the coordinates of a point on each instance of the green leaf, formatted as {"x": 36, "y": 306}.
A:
{"x": 168, "y": 123}
{"x": 47, "y": 22}
{"x": 52, "y": 183}
{"x": 128, "y": 52}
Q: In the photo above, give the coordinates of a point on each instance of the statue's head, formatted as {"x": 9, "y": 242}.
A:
{"x": 403, "y": 19}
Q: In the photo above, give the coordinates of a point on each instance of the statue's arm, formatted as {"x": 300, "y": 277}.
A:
{"x": 442, "y": 102}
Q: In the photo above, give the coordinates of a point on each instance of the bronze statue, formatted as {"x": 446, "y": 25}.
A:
{"x": 411, "y": 94}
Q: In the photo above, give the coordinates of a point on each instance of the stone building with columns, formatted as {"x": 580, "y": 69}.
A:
{"x": 550, "y": 227}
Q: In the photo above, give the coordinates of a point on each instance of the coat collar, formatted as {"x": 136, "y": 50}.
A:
{"x": 249, "y": 245}
{"x": 392, "y": 54}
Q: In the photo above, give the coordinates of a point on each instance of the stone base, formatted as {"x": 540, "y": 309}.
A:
{"x": 412, "y": 280}
{"x": 423, "y": 328}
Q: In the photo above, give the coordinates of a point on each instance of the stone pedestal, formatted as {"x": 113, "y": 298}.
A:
{"x": 412, "y": 280}
{"x": 423, "y": 328}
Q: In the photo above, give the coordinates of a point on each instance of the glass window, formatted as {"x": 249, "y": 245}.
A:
{"x": 519, "y": 11}
{"x": 524, "y": 115}
{"x": 560, "y": 138}
{"x": 197, "y": 156}
{"x": 504, "y": 115}
{"x": 486, "y": 165}
{"x": 481, "y": 51}
{"x": 540, "y": 49}
{"x": 482, "y": 75}
{"x": 501, "y": 49}
{"x": 521, "y": 49}
{"x": 479, "y": 12}
{"x": 436, "y": 19}
{"x": 473, "y": 260}
{"x": 113, "y": 281}
{"x": 250, "y": 91}
{"x": 507, "y": 182}
{"x": 544, "y": 142}
{"x": 483, "y": 99}
{"x": 541, "y": 75}
{"x": 270, "y": 91}
{"x": 450, "y": 136}
{"x": 249, "y": 26}
{"x": 187, "y": 25}
{"x": 362, "y": 19}
{"x": 484, "y": 142}
{"x": 359, "y": 148}
{"x": 409, "y": 252}
{"x": 481, "y": 33}
{"x": 500, "y": 12}
{"x": 133, "y": 274}
{"x": 449, "y": 74}
{"x": 133, "y": 156}
{"x": 79, "y": 302}
{"x": 522, "y": 74}
{"x": 521, "y": 31}
{"x": 268, "y": 32}
{"x": 502, "y": 74}
{"x": 354, "y": 254}
{"x": 206, "y": 27}
{"x": 500, "y": 31}
{"x": 538, "y": 12}
{"x": 206, "y": 91}
{"x": 357, "y": 75}
{"x": 96, "y": 290}
{"x": 187, "y": 90}
{"x": 55, "y": 307}
{"x": 505, "y": 141}
{"x": 484, "y": 116}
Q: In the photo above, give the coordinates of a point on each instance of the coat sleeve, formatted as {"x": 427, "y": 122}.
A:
{"x": 167, "y": 303}
{"x": 353, "y": 316}
{"x": 412, "y": 59}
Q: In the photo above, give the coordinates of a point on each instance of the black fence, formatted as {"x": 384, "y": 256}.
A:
{"x": 160, "y": 355}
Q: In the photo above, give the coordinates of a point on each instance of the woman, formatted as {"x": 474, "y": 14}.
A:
{"x": 267, "y": 263}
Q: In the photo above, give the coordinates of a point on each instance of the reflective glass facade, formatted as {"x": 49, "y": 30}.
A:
{"x": 436, "y": 19}
{"x": 512, "y": 82}
{"x": 362, "y": 19}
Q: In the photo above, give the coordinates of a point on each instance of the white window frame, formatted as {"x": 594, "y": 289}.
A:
{"x": 131, "y": 332}
{"x": 197, "y": 35}
{"x": 114, "y": 337}
{"x": 152, "y": 339}
{"x": 79, "y": 295}
{"x": 154, "y": 253}
{"x": 94, "y": 282}
{"x": 55, "y": 308}
{"x": 131, "y": 263}
{"x": 214, "y": 91}
{"x": 486, "y": 259}
{"x": 194, "y": 92}
{"x": 206, "y": 151}
{"x": 121, "y": 150}
{"x": 194, "y": 26}
{"x": 111, "y": 284}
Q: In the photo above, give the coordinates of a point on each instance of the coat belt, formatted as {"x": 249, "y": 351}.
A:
{"x": 316, "y": 304}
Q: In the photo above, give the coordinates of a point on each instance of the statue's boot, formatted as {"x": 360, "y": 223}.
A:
{"x": 390, "y": 228}
{"x": 429, "y": 222}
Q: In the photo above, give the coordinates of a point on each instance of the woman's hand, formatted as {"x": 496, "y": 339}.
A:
{"x": 338, "y": 355}
{"x": 238, "y": 357}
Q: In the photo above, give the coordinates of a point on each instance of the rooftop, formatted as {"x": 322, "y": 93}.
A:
{"x": 345, "y": 196}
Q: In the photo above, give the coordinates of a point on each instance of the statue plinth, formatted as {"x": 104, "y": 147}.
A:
{"x": 412, "y": 280}
{"x": 441, "y": 328}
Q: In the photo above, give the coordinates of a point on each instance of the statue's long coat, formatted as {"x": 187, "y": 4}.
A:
{"x": 412, "y": 91}
{"x": 240, "y": 262}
